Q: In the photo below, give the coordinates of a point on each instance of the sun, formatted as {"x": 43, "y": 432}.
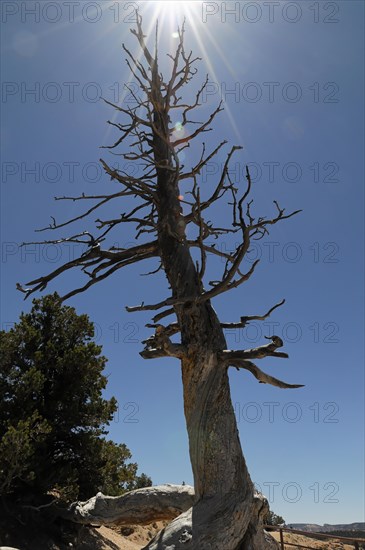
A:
{"x": 171, "y": 4}
{"x": 172, "y": 13}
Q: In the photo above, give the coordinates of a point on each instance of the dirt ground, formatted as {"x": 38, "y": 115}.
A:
{"x": 135, "y": 537}
{"x": 293, "y": 538}
{"x": 114, "y": 539}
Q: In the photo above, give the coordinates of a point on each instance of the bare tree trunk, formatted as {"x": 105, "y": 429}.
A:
{"x": 221, "y": 480}
{"x": 226, "y": 514}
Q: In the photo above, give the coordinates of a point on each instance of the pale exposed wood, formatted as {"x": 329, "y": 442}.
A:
{"x": 140, "y": 506}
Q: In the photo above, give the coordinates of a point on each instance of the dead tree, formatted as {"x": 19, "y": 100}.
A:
{"x": 226, "y": 514}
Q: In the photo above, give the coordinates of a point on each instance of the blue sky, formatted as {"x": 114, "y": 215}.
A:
{"x": 291, "y": 77}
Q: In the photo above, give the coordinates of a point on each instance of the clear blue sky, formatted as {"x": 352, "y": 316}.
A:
{"x": 291, "y": 76}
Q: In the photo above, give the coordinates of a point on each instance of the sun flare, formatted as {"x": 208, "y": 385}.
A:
{"x": 164, "y": 20}
{"x": 173, "y": 10}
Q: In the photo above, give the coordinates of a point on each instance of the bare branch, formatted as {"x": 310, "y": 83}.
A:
{"x": 160, "y": 345}
{"x": 140, "y": 37}
{"x": 257, "y": 353}
{"x": 212, "y": 250}
{"x": 246, "y": 319}
{"x": 153, "y": 307}
{"x": 169, "y": 330}
{"x": 202, "y": 128}
{"x": 264, "y": 222}
{"x": 227, "y": 283}
{"x": 130, "y": 112}
{"x": 104, "y": 200}
{"x": 126, "y": 133}
{"x": 202, "y": 162}
{"x": 91, "y": 241}
{"x": 163, "y": 314}
{"x": 90, "y": 257}
{"x": 220, "y": 187}
{"x": 261, "y": 376}
{"x": 137, "y": 186}
{"x": 174, "y": 69}
{"x": 248, "y": 231}
{"x": 196, "y": 104}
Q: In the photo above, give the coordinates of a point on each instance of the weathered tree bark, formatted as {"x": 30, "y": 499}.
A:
{"x": 225, "y": 507}
{"x": 181, "y": 534}
{"x": 161, "y": 502}
{"x": 226, "y": 513}
{"x": 166, "y": 502}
